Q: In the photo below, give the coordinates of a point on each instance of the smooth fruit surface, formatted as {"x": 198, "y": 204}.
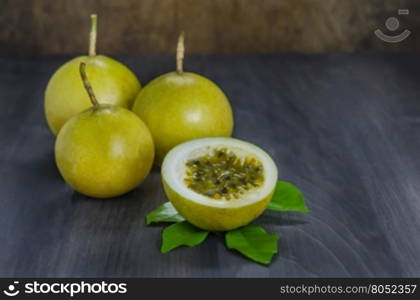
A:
{"x": 104, "y": 151}
{"x": 215, "y": 213}
{"x": 181, "y": 107}
{"x": 65, "y": 96}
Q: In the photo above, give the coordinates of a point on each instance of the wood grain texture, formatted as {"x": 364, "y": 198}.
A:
{"x": 212, "y": 26}
{"x": 344, "y": 128}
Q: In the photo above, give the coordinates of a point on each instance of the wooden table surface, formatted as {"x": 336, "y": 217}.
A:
{"x": 343, "y": 128}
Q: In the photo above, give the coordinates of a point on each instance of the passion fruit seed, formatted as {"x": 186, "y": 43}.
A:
{"x": 223, "y": 175}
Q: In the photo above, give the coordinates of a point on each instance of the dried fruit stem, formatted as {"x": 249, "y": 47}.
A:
{"x": 92, "y": 37}
{"x": 87, "y": 85}
{"x": 180, "y": 49}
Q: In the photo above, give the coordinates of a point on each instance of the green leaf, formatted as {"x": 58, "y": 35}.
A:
{"x": 287, "y": 197}
{"x": 164, "y": 213}
{"x": 181, "y": 234}
{"x": 253, "y": 242}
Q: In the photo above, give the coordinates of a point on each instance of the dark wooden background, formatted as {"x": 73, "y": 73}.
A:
{"x": 212, "y": 26}
{"x": 345, "y": 128}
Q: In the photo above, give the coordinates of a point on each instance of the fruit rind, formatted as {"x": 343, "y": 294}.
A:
{"x": 181, "y": 107}
{"x": 113, "y": 83}
{"x": 104, "y": 151}
{"x": 211, "y": 214}
{"x": 216, "y": 218}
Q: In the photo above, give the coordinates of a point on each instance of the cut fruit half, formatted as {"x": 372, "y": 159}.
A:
{"x": 219, "y": 184}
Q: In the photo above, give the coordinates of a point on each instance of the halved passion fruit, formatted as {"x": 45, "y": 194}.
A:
{"x": 219, "y": 184}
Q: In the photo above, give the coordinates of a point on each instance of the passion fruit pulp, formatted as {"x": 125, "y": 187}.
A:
{"x": 219, "y": 184}
{"x": 222, "y": 174}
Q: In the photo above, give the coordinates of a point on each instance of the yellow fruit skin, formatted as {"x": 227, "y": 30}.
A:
{"x": 182, "y": 107}
{"x": 104, "y": 152}
{"x": 65, "y": 95}
{"x": 215, "y": 218}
